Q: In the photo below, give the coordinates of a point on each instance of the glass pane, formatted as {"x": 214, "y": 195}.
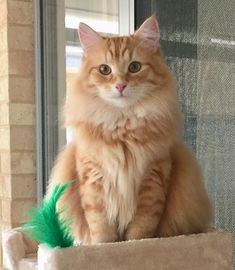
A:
{"x": 102, "y": 16}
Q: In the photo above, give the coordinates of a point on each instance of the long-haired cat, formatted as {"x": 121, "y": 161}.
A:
{"x": 134, "y": 177}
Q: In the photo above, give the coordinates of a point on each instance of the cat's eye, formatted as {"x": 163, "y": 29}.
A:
{"x": 134, "y": 67}
{"x": 105, "y": 69}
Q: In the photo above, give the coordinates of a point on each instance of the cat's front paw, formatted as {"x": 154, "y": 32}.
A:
{"x": 132, "y": 234}
{"x": 137, "y": 233}
{"x": 103, "y": 238}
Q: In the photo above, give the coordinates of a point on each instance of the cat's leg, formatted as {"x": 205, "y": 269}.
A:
{"x": 151, "y": 203}
{"x": 92, "y": 200}
{"x": 188, "y": 209}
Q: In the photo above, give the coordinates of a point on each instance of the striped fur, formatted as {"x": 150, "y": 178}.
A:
{"x": 134, "y": 178}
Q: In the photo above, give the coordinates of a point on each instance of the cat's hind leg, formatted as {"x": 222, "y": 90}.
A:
{"x": 188, "y": 208}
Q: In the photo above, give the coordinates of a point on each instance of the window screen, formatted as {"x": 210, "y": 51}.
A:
{"x": 198, "y": 41}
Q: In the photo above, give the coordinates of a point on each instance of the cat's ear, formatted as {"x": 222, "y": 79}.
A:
{"x": 149, "y": 31}
{"x": 89, "y": 38}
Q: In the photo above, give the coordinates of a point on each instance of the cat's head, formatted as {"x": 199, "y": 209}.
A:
{"x": 123, "y": 70}
{"x": 122, "y": 78}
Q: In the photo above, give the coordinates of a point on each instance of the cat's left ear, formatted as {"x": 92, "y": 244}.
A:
{"x": 89, "y": 38}
{"x": 149, "y": 31}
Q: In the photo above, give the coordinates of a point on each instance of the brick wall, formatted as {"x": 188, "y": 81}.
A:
{"x": 17, "y": 112}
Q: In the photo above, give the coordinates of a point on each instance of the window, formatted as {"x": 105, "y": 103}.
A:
{"x": 198, "y": 41}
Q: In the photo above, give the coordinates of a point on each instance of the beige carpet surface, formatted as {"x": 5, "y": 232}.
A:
{"x": 209, "y": 251}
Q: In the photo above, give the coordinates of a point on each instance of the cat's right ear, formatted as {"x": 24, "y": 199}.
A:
{"x": 88, "y": 37}
{"x": 149, "y": 32}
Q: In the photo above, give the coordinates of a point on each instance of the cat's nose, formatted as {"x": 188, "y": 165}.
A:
{"x": 121, "y": 86}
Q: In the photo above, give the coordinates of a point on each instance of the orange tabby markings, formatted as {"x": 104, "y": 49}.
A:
{"x": 133, "y": 176}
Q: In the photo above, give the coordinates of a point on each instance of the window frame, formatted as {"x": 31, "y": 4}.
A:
{"x": 47, "y": 72}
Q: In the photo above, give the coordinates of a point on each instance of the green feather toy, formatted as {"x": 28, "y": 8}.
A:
{"x": 46, "y": 225}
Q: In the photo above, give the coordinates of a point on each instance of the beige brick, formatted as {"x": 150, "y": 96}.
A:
{"x": 3, "y": 13}
{"x": 21, "y": 89}
{"x": 1, "y": 188}
{"x": 4, "y": 114}
{"x": 3, "y": 38}
{"x": 23, "y": 163}
{"x": 20, "y": 37}
{"x": 6, "y": 211}
{"x": 6, "y": 186}
{"x": 24, "y": 186}
{"x": 20, "y": 12}
{"x": 23, "y": 138}
{"x": 4, "y": 96}
{"x": 16, "y": 211}
{"x": 1, "y": 255}
{"x": 20, "y": 210}
{"x": 22, "y": 114}
{"x": 5, "y": 162}
{"x": 17, "y": 132}
{"x": 21, "y": 63}
{"x": 6, "y": 226}
{"x": 4, "y": 64}
{"x": 4, "y": 138}
{"x": 0, "y": 213}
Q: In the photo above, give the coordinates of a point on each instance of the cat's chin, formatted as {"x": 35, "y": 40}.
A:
{"x": 120, "y": 102}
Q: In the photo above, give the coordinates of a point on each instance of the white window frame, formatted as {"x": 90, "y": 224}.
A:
{"x": 126, "y": 17}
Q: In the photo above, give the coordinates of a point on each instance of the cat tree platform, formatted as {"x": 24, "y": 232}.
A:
{"x": 208, "y": 251}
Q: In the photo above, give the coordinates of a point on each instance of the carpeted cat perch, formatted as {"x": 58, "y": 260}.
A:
{"x": 208, "y": 251}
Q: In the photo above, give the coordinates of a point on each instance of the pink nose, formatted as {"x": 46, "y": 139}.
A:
{"x": 121, "y": 86}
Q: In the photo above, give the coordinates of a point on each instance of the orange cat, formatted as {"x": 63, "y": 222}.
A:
{"x": 134, "y": 178}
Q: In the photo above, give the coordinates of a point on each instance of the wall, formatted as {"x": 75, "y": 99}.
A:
{"x": 17, "y": 113}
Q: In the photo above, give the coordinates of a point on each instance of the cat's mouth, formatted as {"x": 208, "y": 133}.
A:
{"x": 120, "y": 100}
{"x": 117, "y": 98}
{"x": 124, "y": 94}
{"x": 117, "y": 95}
{"x": 121, "y": 95}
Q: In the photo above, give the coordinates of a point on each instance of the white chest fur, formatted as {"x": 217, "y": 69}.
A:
{"x": 123, "y": 171}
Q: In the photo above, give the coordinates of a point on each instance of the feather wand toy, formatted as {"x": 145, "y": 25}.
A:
{"x": 46, "y": 224}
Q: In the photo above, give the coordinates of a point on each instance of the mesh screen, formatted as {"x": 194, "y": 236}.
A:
{"x": 215, "y": 108}
{"x": 198, "y": 40}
